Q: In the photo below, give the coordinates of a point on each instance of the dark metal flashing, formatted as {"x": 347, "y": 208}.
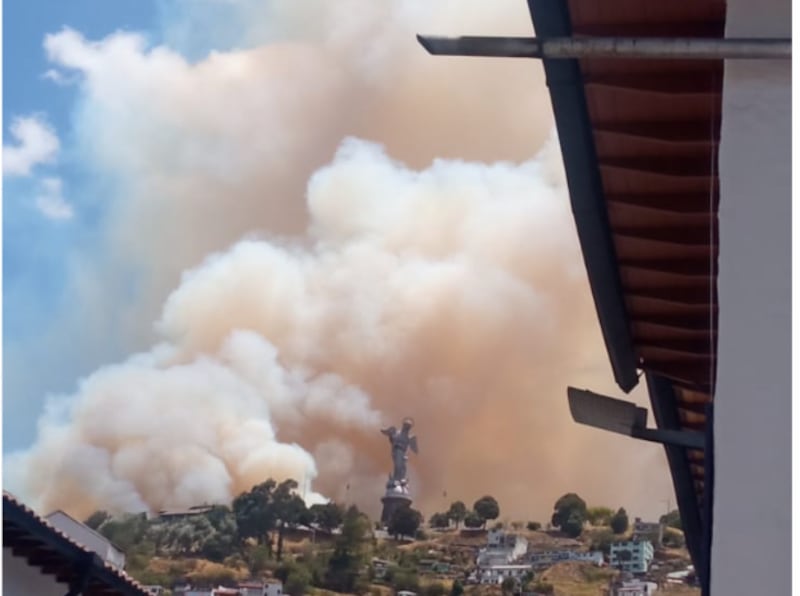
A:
{"x": 665, "y": 412}
{"x": 551, "y": 19}
{"x": 708, "y": 501}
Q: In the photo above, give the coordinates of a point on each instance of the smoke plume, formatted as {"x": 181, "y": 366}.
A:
{"x": 310, "y": 284}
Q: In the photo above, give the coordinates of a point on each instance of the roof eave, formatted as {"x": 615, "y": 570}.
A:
{"x": 564, "y": 80}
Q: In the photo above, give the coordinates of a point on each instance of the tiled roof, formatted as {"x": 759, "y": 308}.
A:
{"x": 44, "y": 546}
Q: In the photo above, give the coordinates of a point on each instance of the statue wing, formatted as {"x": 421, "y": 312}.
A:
{"x": 412, "y": 443}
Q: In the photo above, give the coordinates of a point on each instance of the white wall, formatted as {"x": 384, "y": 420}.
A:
{"x": 752, "y": 506}
{"x": 20, "y": 579}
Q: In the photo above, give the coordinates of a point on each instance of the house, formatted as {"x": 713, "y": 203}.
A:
{"x": 501, "y": 549}
{"x": 178, "y": 514}
{"x": 633, "y": 587}
{"x": 546, "y": 558}
{"x": 380, "y": 567}
{"x": 270, "y": 587}
{"x": 88, "y": 538}
{"x": 40, "y": 559}
{"x": 634, "y": 557}
{"x": 495, "y": 574}
{"x": 654, "y": 532}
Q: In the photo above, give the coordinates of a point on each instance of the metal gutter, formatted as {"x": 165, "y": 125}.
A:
{"x": 665, "y": 412}
{"x": 551, "y": 18}
{"x": 667, "y": 48}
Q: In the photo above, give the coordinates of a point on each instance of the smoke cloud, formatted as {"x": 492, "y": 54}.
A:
{"x": 332, "y": 231}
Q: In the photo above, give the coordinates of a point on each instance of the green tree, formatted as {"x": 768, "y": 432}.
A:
{"x": 487, "y": 508}
{"x": 257, "y": 558}
{"x": 348, "y": 555}
{"x": 619, "y": 523}
{"x": 509, "y": 585}
{"x": 457, "y": 589}
{"x": 473, "y": 520}
{"x": 439, "y": 520}
{"x": 254, "y": 513}
{"x": 533, "y": 526}
{"x": 672, "y": 520}
{"x": 569, "y": 514}
{"x": 296, "y": 578}
{"x": 289, "y": 509}
{"x": 602, "y": 541}
{"x": 404, "y": 522}
{"x": 457, "y": 512}
{"x": 405, "y": 580}
{"x": 328, "y": 516}
{"x": 96, "y": 519}
{"x": 599, "y": 516}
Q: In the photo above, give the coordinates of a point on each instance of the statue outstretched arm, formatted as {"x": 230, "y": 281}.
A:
{"x": 389, "y": 432}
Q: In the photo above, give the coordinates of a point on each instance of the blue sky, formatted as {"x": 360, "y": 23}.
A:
{"x": 37, "y": 249}
{"x": 55, "y": 210}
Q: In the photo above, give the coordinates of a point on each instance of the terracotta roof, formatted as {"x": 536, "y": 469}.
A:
{"x": 44, "y": 546}
{"x": 640, "y": 140}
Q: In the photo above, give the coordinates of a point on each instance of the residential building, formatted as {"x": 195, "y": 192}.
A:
{"x": 272, "y": 587}
{"x": 40, "y": 559}
{"x": 634, "y": 587}
{"x": 634, "y": 557}
{"x": 502, "y": 549}
{"x": 495, "y": 574}
{"x": 551, "y": 557}
{"x": 88, "y": 538}
{"x": 654, "y": 532}
{"x": 176, "y": 514}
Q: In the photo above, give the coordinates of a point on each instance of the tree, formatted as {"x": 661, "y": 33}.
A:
{"x": 96, "y": 519}
{"x": 255, "y": 515}
{"x": 574, "y": 525}
{"x": 672, "y": 520}
{"x": 473, "y": 520}
{"x": 328, "y": 516}
{"x": 457, "y": 589}
{"x": 508, "y": 585}
{"x": 439, "y": 520}
{"x": 404, "y": 522}
{"x": 289, "y": 508}
{"x": 569, "y": 514}
{"x": 599, "y": 516}
{"x": 347, "y": 558}
{"x": 486, "y": 508}
{"x": 297, "y": 581}
{"x": 533, "y": 526}
{"x": 457, "y": 512}
{"x": 619, "y": 523}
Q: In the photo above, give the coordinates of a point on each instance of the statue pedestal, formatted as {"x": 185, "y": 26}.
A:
{"x": 392, "y": 501}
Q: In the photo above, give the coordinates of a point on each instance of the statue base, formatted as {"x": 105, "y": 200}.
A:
{"x": 392, "y": 501}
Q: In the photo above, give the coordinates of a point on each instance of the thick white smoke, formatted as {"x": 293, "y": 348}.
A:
{"x": 452, "y": 291}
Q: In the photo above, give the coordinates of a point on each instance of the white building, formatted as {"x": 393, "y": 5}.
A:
{"x": 88, "y": 538}
{"x": 634, "y": 587}
{"x": 634, "y": 557}
{"x": 495, "y": 574}
{"x": 502, "y": 549}
{"x": 551, "y": 557}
